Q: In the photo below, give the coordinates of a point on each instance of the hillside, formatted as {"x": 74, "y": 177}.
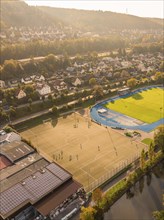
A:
{"x": 99, "y": 20}
{"x": 157, "y": 20}
{"x": 18, "y": 13}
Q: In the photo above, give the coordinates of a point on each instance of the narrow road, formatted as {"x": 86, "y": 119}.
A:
{"x": 34, "y": 115}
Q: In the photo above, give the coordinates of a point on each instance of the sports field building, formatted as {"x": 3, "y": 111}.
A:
{"x": 31, "y": 186}
{"x": 124, "y": 91}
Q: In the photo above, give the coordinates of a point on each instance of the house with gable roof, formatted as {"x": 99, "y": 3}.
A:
{"x": 77, "y": 82}
{"x": 21, "y": 94}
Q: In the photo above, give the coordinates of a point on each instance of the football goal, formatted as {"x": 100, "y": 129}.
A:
{"x": 48, "y": 120}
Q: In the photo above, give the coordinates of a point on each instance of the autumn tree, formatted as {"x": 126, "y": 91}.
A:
{"x": 9, "y": 69}
{"x": 97, "y": 196}
{"x": 50, "y": 59}
{"x": 98, "y": 91}
{"x": 142, "y": 159}
{"x": 29, "y": 90}
{"x": 4, "y": 116}
{"x": 158, "y": 215}
{"x": 125, "y": 73}
{"x": 159, "y": 137}
{"x": 92, "y": 82}
{"x": 159, "y": 77}
{"x": 12, "y": 112}
{"x": 30, "y": 101}
{"x": 131, "y": 82}
{"x": 87, "y": 213}
{"x": 50, "y": 97}
{"x": 55, "y": 110}
{"x": 151, "y": 151}
{"x": 161, "y": 67}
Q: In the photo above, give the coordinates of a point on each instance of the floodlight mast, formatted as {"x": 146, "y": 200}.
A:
{"x": 110, "y": 136}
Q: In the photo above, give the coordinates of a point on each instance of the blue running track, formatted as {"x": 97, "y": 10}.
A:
{"x": 117, "y": 120}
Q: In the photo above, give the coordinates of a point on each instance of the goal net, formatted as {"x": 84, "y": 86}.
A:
{"x": 46, "y": 121}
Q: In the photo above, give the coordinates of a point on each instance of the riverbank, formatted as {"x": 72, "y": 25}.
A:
{"x": 144, "y": 199}
{"x": 120, "y": 188}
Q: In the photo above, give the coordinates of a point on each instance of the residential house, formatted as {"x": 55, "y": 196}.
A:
{"x": 70, "y": 69}
{"x": 108, "y": 59}
{"x": 149, "y": 69}
{"x": 126, "y": 64}
{"x": 2, "y": 35}
{"x": 141, "y": 67}
{"x": 21, "y": 94}
{"x": 26, "y": 80}
{"x": 75, "y": 64}
{"x": 2, "y": 84}
{"x": 43, "y": 90}
{"x": 13, "y": 83}
{"x": 109, "y": 75}
{"x": 33, "y": 77}
{"x": 39, "y": 78}
{"x": 59, "y": 85}
{"x": 102, "y": 64}
{"x": 77, "y": 82}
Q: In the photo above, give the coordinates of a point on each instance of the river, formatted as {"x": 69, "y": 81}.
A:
{"x": 144, "y": 198}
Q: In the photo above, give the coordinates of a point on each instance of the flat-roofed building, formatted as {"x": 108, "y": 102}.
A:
{"x": 31, "y": 185}
{"x": 16, "y": 150}
{"x": 124, "y": 91}
{"x": 9, "y": 137}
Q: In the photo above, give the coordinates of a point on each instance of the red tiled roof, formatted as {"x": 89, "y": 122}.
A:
{"x": 4, "y": 162}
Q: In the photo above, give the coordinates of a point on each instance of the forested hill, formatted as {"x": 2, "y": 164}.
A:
{"x": 101, "y": 21}
{"x": 157, "y": 20}
{"x": 18, "y": 13}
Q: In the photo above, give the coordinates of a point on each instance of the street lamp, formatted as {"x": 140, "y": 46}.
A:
{"x": 161, "y": 112}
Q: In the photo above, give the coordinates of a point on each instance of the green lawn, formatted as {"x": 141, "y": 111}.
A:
{"x": 144, "y": 106}
{"x": 147, "y": 141}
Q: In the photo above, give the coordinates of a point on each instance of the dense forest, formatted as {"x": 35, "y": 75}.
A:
{"x": 70, "y": 47}
{"x": 18, "y": 13}
{"x": 99, "y": 21}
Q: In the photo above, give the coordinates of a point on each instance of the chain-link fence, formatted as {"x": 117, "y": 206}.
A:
{"x": 111, "y": 173}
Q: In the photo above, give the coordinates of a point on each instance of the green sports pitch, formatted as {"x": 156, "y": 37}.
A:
{"x": 146, "y": 106}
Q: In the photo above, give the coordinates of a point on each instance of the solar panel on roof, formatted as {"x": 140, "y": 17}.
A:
{"x": 55, "y": 169}
{"x": 42, "y": 183}
{"x": 33, "y": 189}
{"x": 13, "y": 197}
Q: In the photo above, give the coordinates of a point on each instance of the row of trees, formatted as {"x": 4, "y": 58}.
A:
{"x": 158, "y": 77}
{"x": 158, "y": 142}
{"x": 150, "y": 47}
{"x": 12, "y": 69}
{"x": 30, "y": 107}
{"x": 9, "y": 98}
{"x": 71, "y": 47}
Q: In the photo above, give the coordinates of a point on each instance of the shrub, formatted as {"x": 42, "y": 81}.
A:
{"x": 9, "y": 129}
{"x": 128, "y": 134}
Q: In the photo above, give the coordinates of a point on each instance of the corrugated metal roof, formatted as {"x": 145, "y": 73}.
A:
{"x": 16, "y": 150}
{"x": 32, "y": 189}
{"x": 56, "y": 198}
